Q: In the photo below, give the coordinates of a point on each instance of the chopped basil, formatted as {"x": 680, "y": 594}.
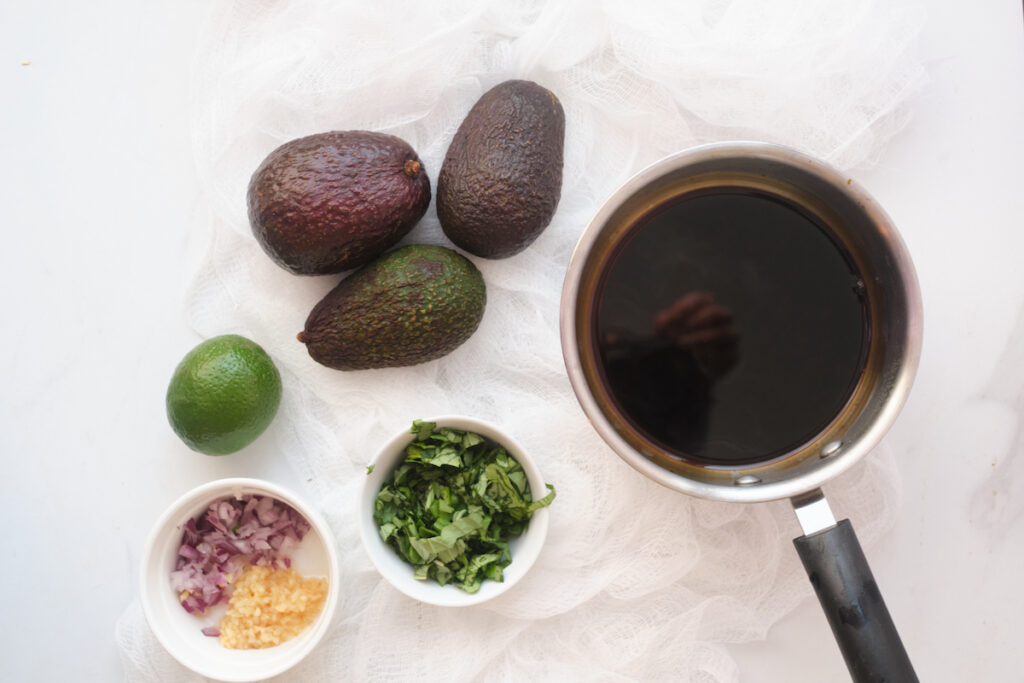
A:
{"x": 452, "y": 506}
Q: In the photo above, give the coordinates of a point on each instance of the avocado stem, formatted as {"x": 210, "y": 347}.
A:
{"x": 412, "y": 168}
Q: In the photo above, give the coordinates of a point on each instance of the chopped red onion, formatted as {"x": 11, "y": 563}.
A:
{"x": 211, "y": 631}
{"x": 232, "y": 533}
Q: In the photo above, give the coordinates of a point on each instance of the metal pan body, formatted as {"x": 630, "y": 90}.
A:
{"x": 854, "y": 220}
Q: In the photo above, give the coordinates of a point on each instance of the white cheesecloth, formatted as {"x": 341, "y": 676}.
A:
{"x": 635, "y": 582}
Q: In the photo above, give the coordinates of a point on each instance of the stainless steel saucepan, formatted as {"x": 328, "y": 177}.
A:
{"x": 829, "y": 550}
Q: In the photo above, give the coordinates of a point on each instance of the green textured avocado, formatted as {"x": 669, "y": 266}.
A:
{"x": 334, "y": 201}
{"x": 501, "y": 179}
{"x": 412, "y": 305}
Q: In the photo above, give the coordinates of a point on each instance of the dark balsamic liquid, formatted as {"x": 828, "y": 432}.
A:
{"x": 730, "y": 326}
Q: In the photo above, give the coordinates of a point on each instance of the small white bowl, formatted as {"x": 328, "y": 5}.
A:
{"x": 398, "y": 572}
{"x": 180, "y": 632}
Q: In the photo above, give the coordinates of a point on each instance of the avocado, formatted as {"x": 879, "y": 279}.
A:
{"x": 502, "y": 177}
{"x": 333, "y": 201}
{"x": 411, "y": 305}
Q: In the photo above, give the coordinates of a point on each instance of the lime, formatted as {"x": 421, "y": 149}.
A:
{"x": 223, "y": 394}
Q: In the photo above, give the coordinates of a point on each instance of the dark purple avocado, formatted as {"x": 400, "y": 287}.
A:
{"x": 501, "y": 179}
{"x": 334, "y": 201}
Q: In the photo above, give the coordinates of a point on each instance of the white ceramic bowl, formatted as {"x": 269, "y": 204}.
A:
{"x": 180, "y": 632}
{"x": 398, "y": 572}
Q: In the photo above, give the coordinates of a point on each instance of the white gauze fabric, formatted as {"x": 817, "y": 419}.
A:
{"x": 636, "y": 582}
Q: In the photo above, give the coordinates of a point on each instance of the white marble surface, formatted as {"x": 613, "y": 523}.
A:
{"x": 99, "y": 205}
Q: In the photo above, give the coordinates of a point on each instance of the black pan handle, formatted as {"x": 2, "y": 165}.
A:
{"x": 854, "y": 606}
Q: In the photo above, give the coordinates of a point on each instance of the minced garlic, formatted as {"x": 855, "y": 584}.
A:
{"x": 269, "y": 606}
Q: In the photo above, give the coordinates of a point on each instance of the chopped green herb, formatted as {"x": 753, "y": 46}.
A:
{"x": 453, "y": 504}
{"x": 369, "y": 469}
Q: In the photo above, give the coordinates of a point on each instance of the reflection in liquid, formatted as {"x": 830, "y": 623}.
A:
{"x": 699, "y": 326}
{"x": 667, "y": 375}
{"x": 693, "y": 281}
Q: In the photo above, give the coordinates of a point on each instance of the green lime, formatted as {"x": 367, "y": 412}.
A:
{"x": 223, "y": 394}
